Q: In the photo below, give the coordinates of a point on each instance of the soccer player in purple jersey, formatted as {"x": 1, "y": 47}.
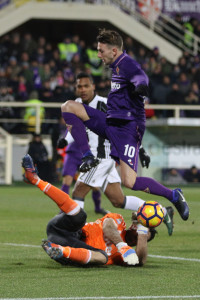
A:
{"x": 124, "y": 124}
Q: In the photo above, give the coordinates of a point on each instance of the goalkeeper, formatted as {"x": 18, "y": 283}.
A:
{"x": 105, "y": 241}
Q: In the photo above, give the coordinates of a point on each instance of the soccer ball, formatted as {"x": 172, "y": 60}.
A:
{"x": 150, "y": 214}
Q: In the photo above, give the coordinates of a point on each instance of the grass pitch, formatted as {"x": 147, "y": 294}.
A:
{"x": 172, "y": 269}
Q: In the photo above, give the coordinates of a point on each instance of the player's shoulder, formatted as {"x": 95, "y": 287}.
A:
{"x": 97, "y": 99}
{"x": 116, "y": 217}
{"x": 130, "y": 61}
{"x": 99, "y": 103}
{"x": 102, "y": 99}
{"x": 127, "y": 62}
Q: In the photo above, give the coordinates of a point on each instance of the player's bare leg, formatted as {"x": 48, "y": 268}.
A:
{"x": 81, "y": 190}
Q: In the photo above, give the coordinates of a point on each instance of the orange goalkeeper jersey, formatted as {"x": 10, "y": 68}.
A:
{"x": 93, "y": 233}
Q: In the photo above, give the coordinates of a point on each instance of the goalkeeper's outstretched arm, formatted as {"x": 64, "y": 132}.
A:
{"x": 141, "y": 247}
{"x": 111, "y": 233}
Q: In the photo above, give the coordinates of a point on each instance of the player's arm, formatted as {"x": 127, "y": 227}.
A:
{"x": 144, "y": 157}
{"x": 63, "y": 142}
{"x": 141, "y": 247}
{"x": 139, "y": 81}
{"x": 111, "y": 233}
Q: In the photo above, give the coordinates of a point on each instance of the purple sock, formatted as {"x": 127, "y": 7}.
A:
{"x": 96, "y": 196}
{"x": 77, "y": 130}
{"x": 65, "y": 188}
{"x": 151, "y": 186}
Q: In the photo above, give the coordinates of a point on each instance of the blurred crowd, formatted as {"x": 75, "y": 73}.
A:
{"x": 38, "y": 70}
{"x": 183, "y": 31}
{"x": 181, "y": 176}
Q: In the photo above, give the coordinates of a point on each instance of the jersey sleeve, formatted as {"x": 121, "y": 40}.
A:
{"x": 118, "y": 219}
{"x": 135, "y": 74}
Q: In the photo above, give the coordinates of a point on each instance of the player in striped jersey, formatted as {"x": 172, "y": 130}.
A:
{"x": 104, "y": 175}
{"x": 99, "y": 146}
{"x": 72, "y": 161}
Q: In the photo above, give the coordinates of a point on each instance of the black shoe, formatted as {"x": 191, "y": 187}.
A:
{"x": 168, "y": 219}
{"x": 102, "y": 211}
{"x": 88, "y": 162}
{"x": 180, "y": 204}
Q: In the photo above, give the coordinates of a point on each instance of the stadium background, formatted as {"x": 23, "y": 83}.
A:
{"x": 172, "y": 270}
{"x": 171, "y": 142}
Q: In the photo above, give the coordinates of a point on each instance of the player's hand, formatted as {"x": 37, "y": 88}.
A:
{"x": 141, "y": 92}
{"x": 61, "y": 143}
{"x": 144, "y": 158}
{"x": 129, "y": 256}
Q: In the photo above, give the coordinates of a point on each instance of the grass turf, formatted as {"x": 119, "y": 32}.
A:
{"x": 27, "y": 272}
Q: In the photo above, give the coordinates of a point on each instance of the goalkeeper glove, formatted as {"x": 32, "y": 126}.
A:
{"x": 129, "y": 255}
{"x": 61, "y": 143}
{"x": 144, "y": 157}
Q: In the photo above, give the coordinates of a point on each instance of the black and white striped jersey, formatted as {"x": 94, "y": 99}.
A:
{"x": 99, "y": 146}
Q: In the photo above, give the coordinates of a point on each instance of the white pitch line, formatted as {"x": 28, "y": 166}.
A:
{"x": 153, "y": 256}
{"x": 20, "y": 245}
{"x": 174, "y": 257}
{"x": 107, "y": 298}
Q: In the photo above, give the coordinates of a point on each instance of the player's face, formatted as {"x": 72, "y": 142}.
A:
{"x": 107, "y": 53}
{"x": 85, "y": 89}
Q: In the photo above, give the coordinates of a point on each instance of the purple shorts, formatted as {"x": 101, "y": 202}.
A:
{"x": 71, "y": 163}
{"x": 125, "y": 136}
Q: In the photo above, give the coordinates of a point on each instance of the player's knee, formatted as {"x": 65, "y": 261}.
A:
{"x": 117, "y": 204}
{"x": 78, "y": 221}
{"x": 67, "y": 106}
{"x": 128, "y": 182}
{"x": 116, "y": 201}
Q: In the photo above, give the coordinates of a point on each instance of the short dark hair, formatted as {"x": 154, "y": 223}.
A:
{"x": 110, "y": 37}
{"x": 84, "y": 75}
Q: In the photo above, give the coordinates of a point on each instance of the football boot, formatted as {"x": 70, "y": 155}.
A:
{"x": 30, "y": 175}
{"x": 180, "y": 204}
{"x": 168, "y": 219}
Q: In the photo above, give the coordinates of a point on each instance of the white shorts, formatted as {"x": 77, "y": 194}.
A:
{"x": 105, "y": 172}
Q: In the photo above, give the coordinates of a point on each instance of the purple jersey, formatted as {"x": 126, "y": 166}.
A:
{"x": 127, "y": 75}
{"x": 125, "y": 139}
